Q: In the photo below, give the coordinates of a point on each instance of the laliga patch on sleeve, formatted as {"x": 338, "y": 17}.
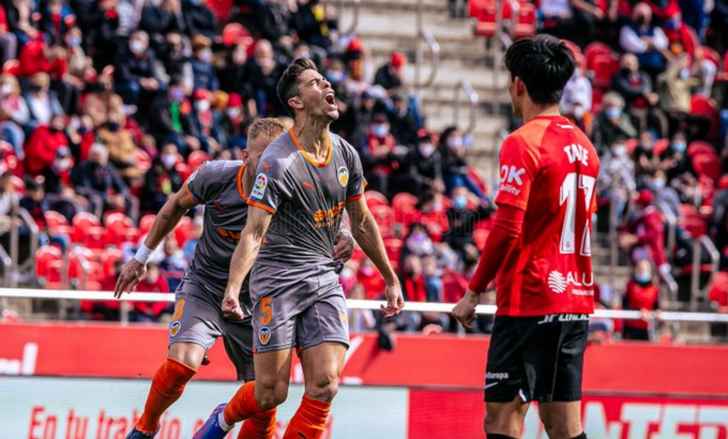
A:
{"x": 261, "y": 182}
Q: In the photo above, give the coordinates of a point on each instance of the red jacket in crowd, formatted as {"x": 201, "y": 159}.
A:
{"x": 640, "y": 297}
{"x": 41, "y": 148}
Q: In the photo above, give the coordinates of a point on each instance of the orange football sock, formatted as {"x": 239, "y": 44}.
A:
{"x": 259, "y": 426}
{"x": 167, "y": 386}
{"x": 242, "y": 405}
{"x": 309, "y": 422}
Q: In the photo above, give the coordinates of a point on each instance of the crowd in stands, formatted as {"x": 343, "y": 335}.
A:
{"x": 107, "y": 107}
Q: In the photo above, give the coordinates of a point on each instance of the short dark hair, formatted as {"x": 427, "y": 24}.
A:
{"x": 288, "y": 84}
{"x": 544, "y": 63}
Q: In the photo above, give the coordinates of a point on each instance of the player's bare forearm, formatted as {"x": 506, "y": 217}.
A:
{"x": 169, "y": 215}
{"x": 247, "y": 249}
{"x": 366, "y": 233}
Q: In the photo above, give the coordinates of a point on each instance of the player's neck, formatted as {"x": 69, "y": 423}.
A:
{"x": 533, "y": 111}
{"x": 312, "y": 134}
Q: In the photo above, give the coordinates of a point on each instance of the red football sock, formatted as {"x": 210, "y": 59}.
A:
{"x": 309, "y": 422}
{"x": 167, "y": 386}
{"x": 242, "y": 405}
{"x": 259, "y": 426}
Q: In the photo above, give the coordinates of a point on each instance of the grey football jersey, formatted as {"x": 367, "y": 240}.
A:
{"x": 307, "y": 200}
{"x": 219, "y": 186}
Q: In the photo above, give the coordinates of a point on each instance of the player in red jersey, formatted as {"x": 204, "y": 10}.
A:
{"x": 539, "y": 253}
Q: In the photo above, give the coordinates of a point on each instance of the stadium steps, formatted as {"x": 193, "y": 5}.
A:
{"x": 386, "y": 26}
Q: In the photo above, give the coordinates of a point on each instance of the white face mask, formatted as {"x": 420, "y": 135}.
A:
{"x": 455, "y": 142}
{"x": 6, "y": 89}
{"x": 427, "y": 149}
{"x": 233, "y": 113}
{"x": 619, "y": 150}
{"x": 202, "y": 105}
{"x": 169, "y": 160}
{"x": 137, "y": 47}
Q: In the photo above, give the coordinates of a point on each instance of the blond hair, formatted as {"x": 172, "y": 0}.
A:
{"x": 271, "y": 127}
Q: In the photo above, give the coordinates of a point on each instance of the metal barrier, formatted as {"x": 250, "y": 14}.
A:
{"x": 473, "y": 100}
{"x": 696, "y": 293}
{"x": 665, "y": 316}
{"x": 434, "y": 48}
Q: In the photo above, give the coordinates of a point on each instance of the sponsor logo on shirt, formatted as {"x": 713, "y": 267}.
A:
{"x": 228, "y": 234}
{"x": 343, "y": 175}
{"x": 264, "y": 335}
{"x": 550, "y": 318}
{"x": 496, "y": 376}
{"x": 261, "y": 182}
{"x": 328, "y": 217}
{"x": 582, "y": 283}
{"x": 510, "y": 179}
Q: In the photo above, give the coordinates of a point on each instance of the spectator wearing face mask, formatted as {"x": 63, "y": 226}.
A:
{"x": 173, "y": 54}
{"x": 43, "y": 144}
{"x": 14, "y": 114}
{"x": 455, "y": 169}
{"x": 612, "y": 123}
{"x": 636, "y": 89}
{"x": 120, "y": 143}
{"x": 421, "y": 169}
{"x": 161, "y": 180}
{"x": 647, "y": 228}
{"x": 100, "y": 182}
{"x": 233, "y": 122}
{"x": 378, "y": 156}
{"x": 642, "y": 294}
{"x": 674, "y": 161}
{"x": 616, "y": 182}
{"x": 404, "y": 120}
{"x": 666, "y": 197}
{"x": 678, "y": 32}
{"x": 138, "y": 74}
{"x": 418, "y": 242}
{"x": 42, "y": 102}
{"x": 203, "y": 71}
{"x": 206, "y": 121}
{"x": 462, "y": 218}
{"x": 646, "y": 40}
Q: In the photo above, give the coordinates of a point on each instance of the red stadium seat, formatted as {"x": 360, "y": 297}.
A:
{"x": 707, "y": 165}
{"x": 196, "y": 159}
{"x": 183, "y": 231}
{"x": 119, "y": 229}
{"x": 405, "y": 209}
{"x": 526, "y": 22}
{"x": 660, "y": 146}
{"x": 48, "y": 266}
{"x": 84, "y": 270}
{"x": 57, "y": 223}
{"x": 375, "y": 198}
{"x": 145, "y": 224}
{"x": 601, "y": 63}
{"x": 87, "y": 230}
{"x": 108, "y": 260}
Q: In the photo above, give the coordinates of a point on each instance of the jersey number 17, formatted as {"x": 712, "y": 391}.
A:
{"x": 570, "y": 187}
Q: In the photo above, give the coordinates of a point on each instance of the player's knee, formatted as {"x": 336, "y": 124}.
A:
{"x": 507, "y": 422}
{"x": 189, "y": 354}
{"x": 323, "y": 387}
{"x": 561, "y": 430}
{"x": 270, "y": 393}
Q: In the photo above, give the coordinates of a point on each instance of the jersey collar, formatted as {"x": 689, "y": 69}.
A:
{"x": 307, "y": 155}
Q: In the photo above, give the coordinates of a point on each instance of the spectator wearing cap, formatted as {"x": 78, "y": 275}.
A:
{"x": 390, "y": 75}
{"x": 639, "y": 96}
{"x": 101, "y": 183}
{"x": 264, "y": 71}
{"x": 641, "y": 294}
{"x": 679, "y": 33}
{"x": 643, "y": 38}
{"x": 612, "y": 123}
{"x": 203, "y": 71}
{"x": 421, "y": 169}
{"x": 377, "y": 155}
{"x": 455, "y": 169}
{"x": 14, "y": 114}
{"x": 138, "y": 74}
{"x": 206, "y": 121}
{"x": 41, "y": 101}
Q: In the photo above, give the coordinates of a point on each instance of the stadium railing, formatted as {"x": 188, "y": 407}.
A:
{"x": 665, "y": 316}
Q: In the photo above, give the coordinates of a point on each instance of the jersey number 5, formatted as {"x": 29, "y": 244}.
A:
{"x": 568, "y": 194}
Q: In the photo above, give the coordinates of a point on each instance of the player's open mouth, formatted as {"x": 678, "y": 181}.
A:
{"x": 330, "y": 99}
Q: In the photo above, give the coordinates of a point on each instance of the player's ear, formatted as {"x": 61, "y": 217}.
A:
{"x": 520, "y": 86}
{"x": 296, "y": 103}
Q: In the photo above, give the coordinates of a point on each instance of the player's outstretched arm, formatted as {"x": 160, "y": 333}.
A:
{"x": 366, "y": 233}
{"x": 165, "y": 221}
{"x": 243, "y": 258}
